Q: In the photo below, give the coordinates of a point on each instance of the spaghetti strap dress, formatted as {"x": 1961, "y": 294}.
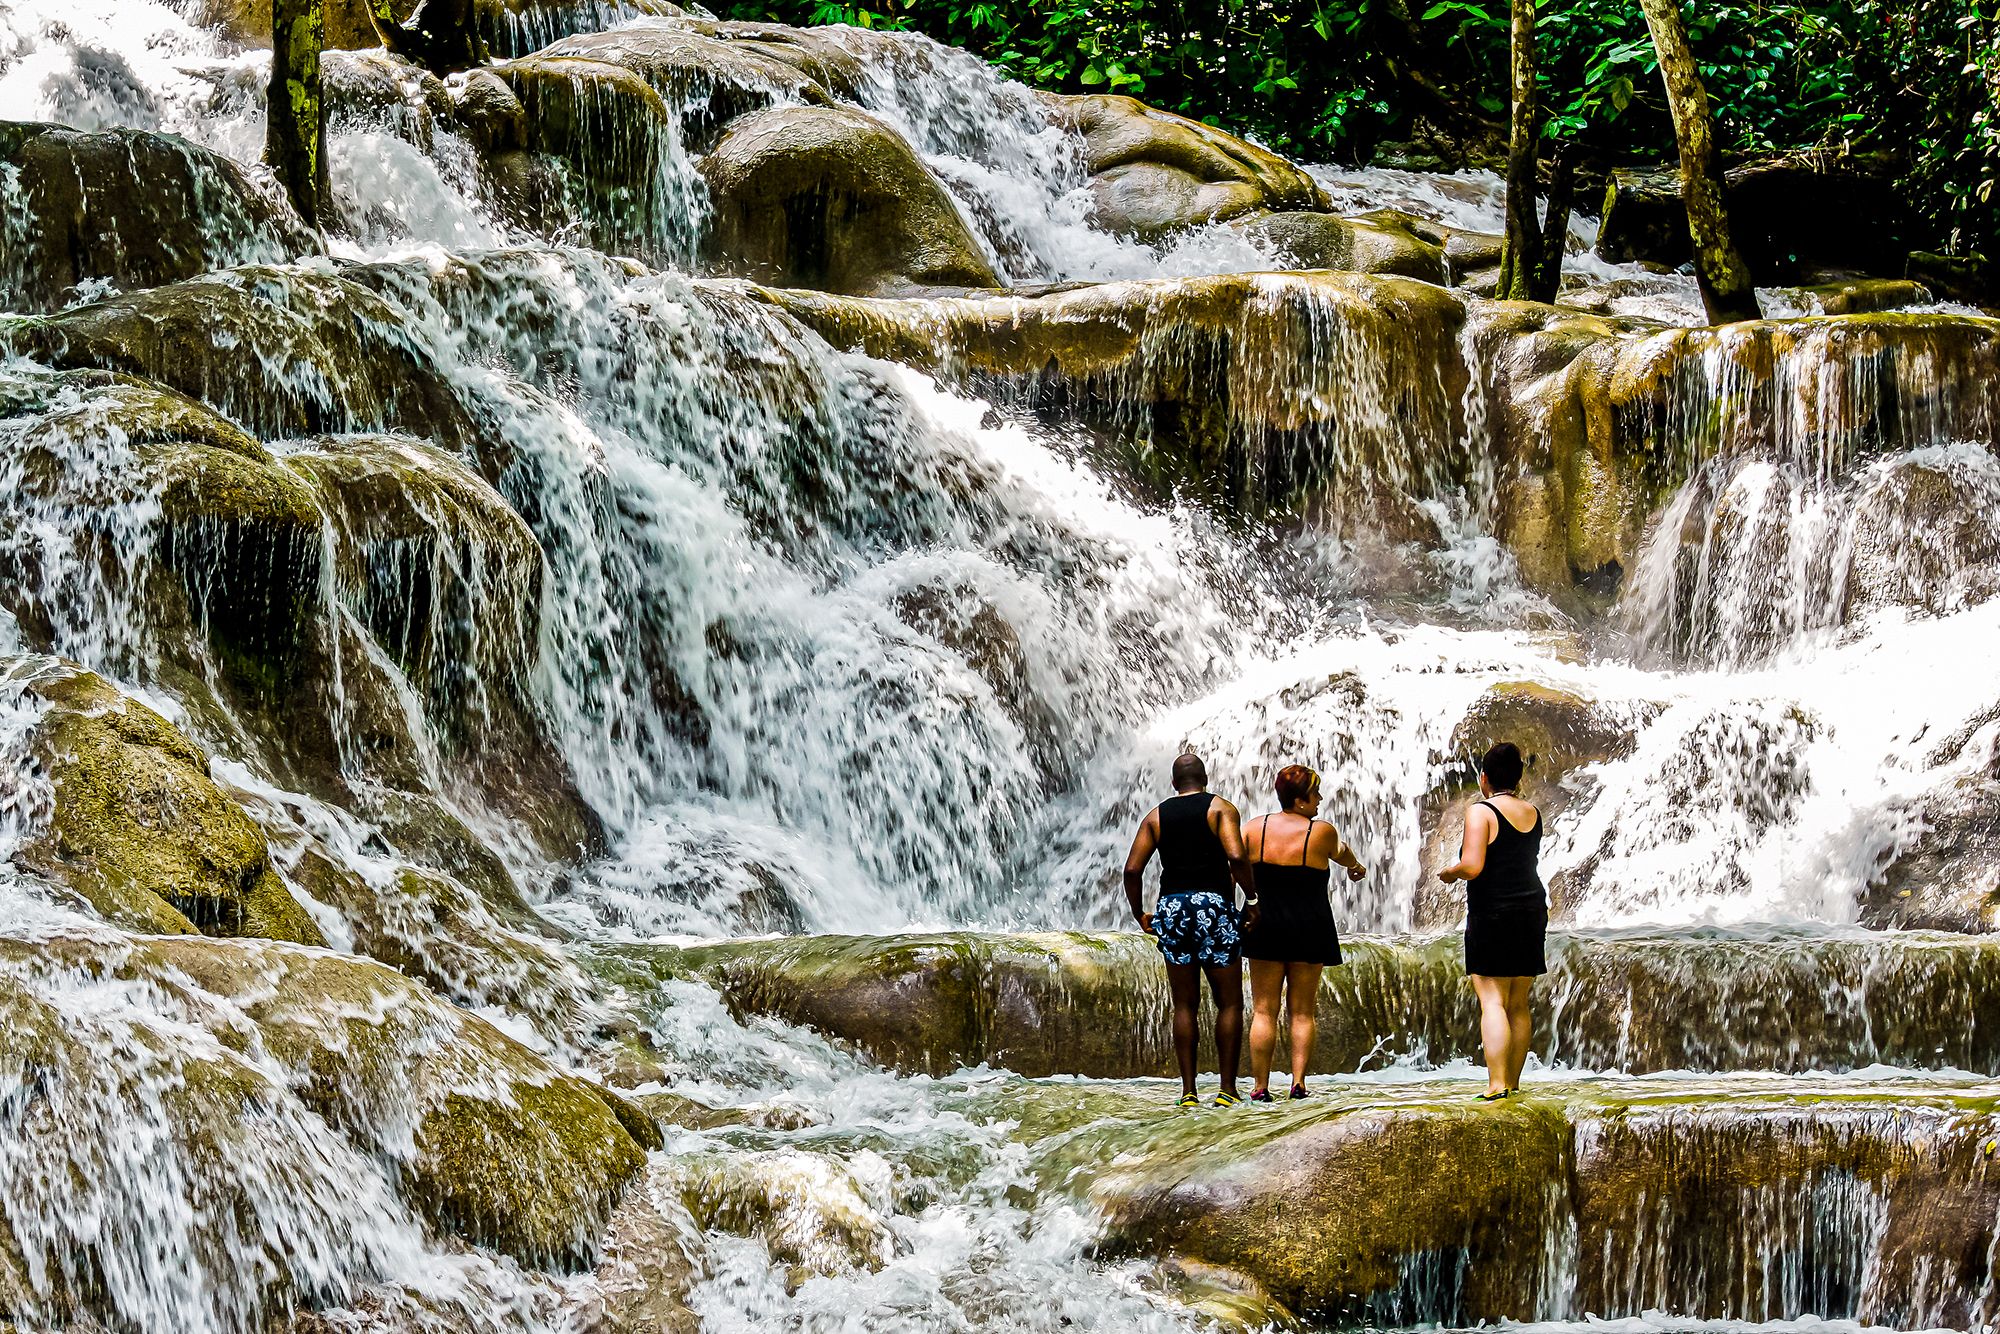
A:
{"x": 1295, "y": 912}
{"x": 1506, "y": 906}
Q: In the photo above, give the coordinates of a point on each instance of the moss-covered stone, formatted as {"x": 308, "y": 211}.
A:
{"x": 1097, "y": 1005}
{"x": 139, "y": 829}
{"x": 285, "y": 353}
{"x": 508, "y": 27}
{"x": 1360, "y": 245}
{"x": 492, "y": 1143}
{"x": 832, "y": 198}
{"x": 1398, "y": 1204}
{"x": 1154, "y": 173}
{"x": 129, "y": 209}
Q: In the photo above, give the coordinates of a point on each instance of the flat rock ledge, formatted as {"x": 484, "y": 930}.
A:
{"x": 1742, "y": 1198}
{"x": 1095, "y": 1004}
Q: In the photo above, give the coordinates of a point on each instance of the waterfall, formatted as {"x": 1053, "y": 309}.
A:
{"x": 587, "y": 659}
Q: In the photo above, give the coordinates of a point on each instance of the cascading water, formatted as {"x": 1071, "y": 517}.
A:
{"x": 542, "y": 608}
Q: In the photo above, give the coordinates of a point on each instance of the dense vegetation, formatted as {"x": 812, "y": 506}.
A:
{"x": 1916, "y": 81}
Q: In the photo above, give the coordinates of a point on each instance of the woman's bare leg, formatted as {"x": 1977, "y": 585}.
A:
{"x": 1302, "y": 985}
{"x": 1521, "y": 1027}
{"x": 1496, "y": 1030}
{"x": 1267, "y": 990}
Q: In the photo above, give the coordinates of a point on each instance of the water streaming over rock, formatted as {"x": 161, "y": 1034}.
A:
{"x": 526, "y": 592}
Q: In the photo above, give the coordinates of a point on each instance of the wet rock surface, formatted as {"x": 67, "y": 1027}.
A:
{"x": 1153, "y": 173}
{"x": 831, "y": 198}
{"x": 83, "y": 213}
{"x": 1097, "y": 1005}
{"x": 137, "y": 828}
{"x": 1407, "y": 1205}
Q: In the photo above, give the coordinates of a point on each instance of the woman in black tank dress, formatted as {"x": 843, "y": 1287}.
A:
{"x": 1506, "y": 915}
{"x": 1292, "y": 855}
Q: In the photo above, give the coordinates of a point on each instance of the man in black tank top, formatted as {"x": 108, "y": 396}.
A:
{"x": 1199, "y": 837}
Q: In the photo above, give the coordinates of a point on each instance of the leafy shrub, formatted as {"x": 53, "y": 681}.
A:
{"x": 1337, "y": 79}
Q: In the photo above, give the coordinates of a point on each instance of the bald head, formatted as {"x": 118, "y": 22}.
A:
{"x": 1190, "y": 774}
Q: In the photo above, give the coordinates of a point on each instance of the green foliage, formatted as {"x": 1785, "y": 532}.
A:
{"x": 1337, "y": 79}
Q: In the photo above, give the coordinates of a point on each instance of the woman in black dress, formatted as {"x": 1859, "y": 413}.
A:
{"x": 1506, "y": 914}
{"x": 1292, "y": 853}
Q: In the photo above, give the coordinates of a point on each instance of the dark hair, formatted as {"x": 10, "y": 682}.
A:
{"x": 1189, "y": 771}
{"x": 1503, "y": 767}
{"x": 1295, "y": 783}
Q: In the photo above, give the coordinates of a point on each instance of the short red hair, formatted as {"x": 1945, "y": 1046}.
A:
{"x": 1295, "y": 783}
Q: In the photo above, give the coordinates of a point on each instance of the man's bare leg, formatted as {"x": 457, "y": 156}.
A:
{"x": 1185, "y": 980}
{"x": 1226, "y": 985}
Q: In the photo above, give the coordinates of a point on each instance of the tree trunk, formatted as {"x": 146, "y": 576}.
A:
{"x": 1726, "y": 289}
{"x": 1521, "y": 251}
{"x": 1547, "y": 278}
{"x": 295, "y": 142}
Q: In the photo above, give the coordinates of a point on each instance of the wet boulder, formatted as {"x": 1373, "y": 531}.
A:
{"x": 834, "y": 199}
{"x": 447, "y": 578}
{"x": 508, "y": 27}
{"x": 708, "y": 80}
{"x": 1359, "y": 245}
{"x": 284, "y": 353}
{"x": 1402, "y": 1206}
{"x": 198, "y": 532}
{"x": 1154, "y": 173}
{"x": 1558, "y": 732}
{"x": 1784, "y": 214}
{"x": 83, "y": 213}
{"x": 384, "y": 1112}
{"x": 136, "y": 827}
{"x": 1199, "y": 379}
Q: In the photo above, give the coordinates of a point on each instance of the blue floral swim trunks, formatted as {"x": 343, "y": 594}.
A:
{"x": 1201, "y": 928}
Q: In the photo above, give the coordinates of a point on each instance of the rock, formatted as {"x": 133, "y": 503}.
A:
{"x": 1784, "y": 214}
{"x": 1096, "y": 1005}
{"x": 126, "y": 209}
{"x": 481, "y": 1136}
{"x": 1586, "y": 1197}
{"x": 1945, "y": 877}
{"x": 200, "y": 531}
{"x": 1864, "y": 296}
{"x": 1556, "y": 730}
{"x": 1972, "y": 279}
{"x": 1593, "y": 422}
{"x": 137, "y": 827}
{"x": 651, "y": 1257}
{"x": 508, "y": 27}
{"x": 1323, "y": 241}
{"x": 1360, "y": 1216}
{"x": 832, "y": 198}
{"x": 1154, "y": 173}
{"x": 285, "y": 353}
{"x": 712, "y": 81}
{"x": 448, "y": 580}
{"x": 1190, "y": 374}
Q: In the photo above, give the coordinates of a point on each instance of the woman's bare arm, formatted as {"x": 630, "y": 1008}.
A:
{"x": 1479, "y": 831}
{"x": 1338, "y": 853}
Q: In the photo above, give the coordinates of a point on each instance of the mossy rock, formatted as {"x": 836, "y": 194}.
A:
{"x": 491, "y": 1142}
{"x": 1190, "y": 375}
{"x": 1359, "y": 245}
{"x": 1154, "y": 173}
{"x": 1389, "y": 1216}
{"x": 508, "y": 27}
{"x": 832, "y": 198}
{"x": 233, "y": 555}
{"x": 1556, "y": 730}
{"x": 138, "y": 828}
{"x": 283, "y": 353}
{"x": 130, "y": 209}
{"x": 1406, "y": 1204}
{"x": 715, "y": 80}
